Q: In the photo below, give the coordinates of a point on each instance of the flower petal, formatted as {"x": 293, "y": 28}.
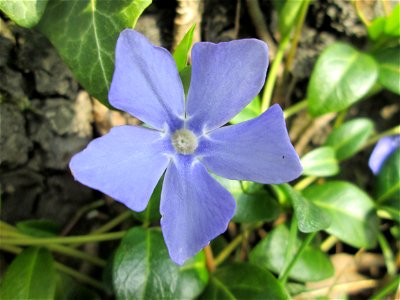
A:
{"x": 225, "y": 78}
{"x": 146, "y": 83}
{"x": 382, "y": 151}
{"x": 125, "y": 164}
{"x": 195, "y": 208}
{"x": 257, "y": 150}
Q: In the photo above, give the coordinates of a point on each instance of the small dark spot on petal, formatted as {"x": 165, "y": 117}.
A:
{"x": 283, "y": 156}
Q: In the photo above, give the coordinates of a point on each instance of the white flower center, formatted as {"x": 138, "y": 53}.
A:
{"x": 184, "y": 141}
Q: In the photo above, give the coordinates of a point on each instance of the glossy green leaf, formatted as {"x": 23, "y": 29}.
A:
{"x": 353, "y": 214}
{"x": 39, "y": 228}
{"x": 152, "y": 211}
{"x": 312, "y": 265}
{"x": 243, "y": 281}
{"x": 181, "y": 52}
{"x": 310, "y": 217}
{"x": 389, "y": 68}
{"x": 388, "y": 180}
{"x": 68, "y": 289}
{"x": 320, "y": 162}
{"x": 25, "y": 13}
{"x": 341, "y": 77}
{"x": 142, "y": 269}
{"x": 253, "y": 202}
{"x": 251, "y": 111}
{"x": 350, "y": 137}
{"x": 85, "y": 33}
{"x": 288, "y": 15}
{"x": 31, "y": 275}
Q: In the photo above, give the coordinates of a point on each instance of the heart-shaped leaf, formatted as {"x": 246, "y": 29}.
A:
{"x": 312, "y": 265}
{"x": 353, "y": 214}
{"x": 320, "y": 162}
{"x": 341, "y": 77}
{"x": 25, "y": 13}
{"x": 31, "y": 275}
{"x": 243, "y": 281}
{"x": 142, "y": 269}
{"x": 85, "y": 33}
{"x": 350, "y": 137}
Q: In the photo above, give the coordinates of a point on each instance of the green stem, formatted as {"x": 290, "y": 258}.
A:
{"x": 294, "y": 109}
{"x": 229, "y": 249}
{"x": 328, "y": 243}
{"x": 392, "y": 286}
{"x": 79, "y": 276}
{"x": 57, "y": 248}
{"x": 297, "y": 34}
{"x": 113, "y": 223}
{"x": 67, "y": 270}
{"x": 272, "y": 75}
{"x": 390, "y": 260}
{"x": 285, "y": 274}
{"x": 392, "y": 131}
{"x": 78, "y": 254}
{"x": 27, "y": 241}
{"x": 305, "y": 182}
{"x": 340, "y": 118}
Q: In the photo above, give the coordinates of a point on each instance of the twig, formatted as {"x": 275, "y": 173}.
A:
{"x": 210, "y": 262}
{"x": 257, "y": 18}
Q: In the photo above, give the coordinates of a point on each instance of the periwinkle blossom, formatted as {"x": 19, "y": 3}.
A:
{"x": 383, "y": 149}
{"x": 186, "y": 139}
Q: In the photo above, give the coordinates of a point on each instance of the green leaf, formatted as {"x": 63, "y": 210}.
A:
{"x": 142, "y": 269}
{"x": 392, "y": 24}
{"x": 389, "y": 68}
{"x": 288, "y": 15}
{"x": 186, "y": 75}
{"x": 152, "y": 211}
{"x": 312, "y": 265}
{"x": 251, "y": 111}
{"x": 253, "y": 202}
{"x": 354, "y": 219}
{"x": 341, "y": 77}
{"x": 68, "y": 289}
{"x": 39, "y": 228}
{"x": 25, "y": 13}
{"x": 375, "y": 30}
{"x": 181, "y": 52}
{"x": 85, "y": 33}
{"x": 320, "y": 162}
{"x": 388, "y": 180}
{"x": 350, "y": 137}
{"x": 31, "y": 275}
{"x": 310, "y": 217}
{"x": 243, "y": 281}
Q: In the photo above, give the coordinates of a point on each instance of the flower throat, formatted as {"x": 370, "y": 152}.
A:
{"x": 184, "y": 141}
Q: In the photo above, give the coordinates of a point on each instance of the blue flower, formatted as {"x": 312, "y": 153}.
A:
{"x": 383, "y": 149}
{"x": 186, "y": 139}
